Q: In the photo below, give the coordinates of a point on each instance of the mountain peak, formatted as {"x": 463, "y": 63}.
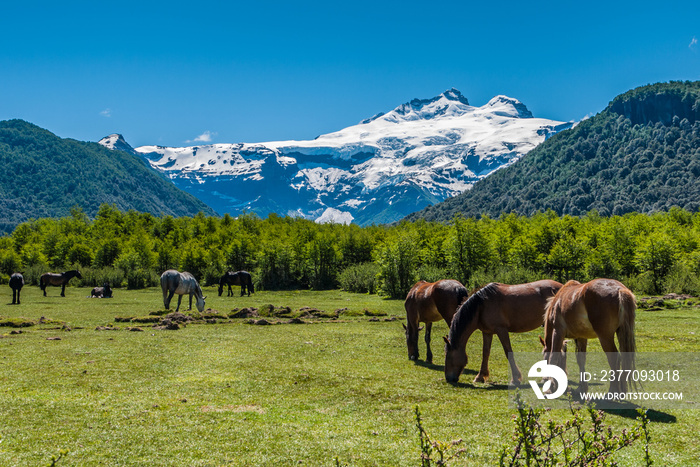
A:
{"x": 454, "y": 95}
{"x": 450, "y": 102}
{"x": 116, "y": 141}
{"x": 508, "y": 107}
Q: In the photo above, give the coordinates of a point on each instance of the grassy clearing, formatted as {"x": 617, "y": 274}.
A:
{"x": 238, "y": 394}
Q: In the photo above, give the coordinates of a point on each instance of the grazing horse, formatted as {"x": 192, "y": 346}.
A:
{"x": 173, "y": 282}
{"x": 601, "y": 308}
{"x": 495, "y": 309}
{"x": 242, "y": 278}
{"x": 62, "y": 279}
{"x": 428, "y": 302}
{"x": 102, "y": 292}
{"x": 16, "y": 284}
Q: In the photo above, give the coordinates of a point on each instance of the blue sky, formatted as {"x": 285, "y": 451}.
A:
{"x": 171, "y": 72}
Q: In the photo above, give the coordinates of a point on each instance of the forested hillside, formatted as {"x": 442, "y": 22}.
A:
{"x": 649, "y": 253}
{"x": 640, "y": 154}
{"x": 45, "y": 176}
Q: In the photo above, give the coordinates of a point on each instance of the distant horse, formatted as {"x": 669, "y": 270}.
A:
{"x": 495, "y": 309}
{"x": 428, "y": 302}
{"x": 173, "y": 282}
{"x": 54, "y": 279}
{"x": 102, "y": 292}
{"x": 16, "y": 284}
{"x": 242, "y": 278}
{"x": 599, "y": 309}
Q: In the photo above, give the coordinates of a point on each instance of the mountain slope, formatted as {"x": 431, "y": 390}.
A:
{"x": 642, "y": 153}
{"x": 377, "y": 171}
{"x": 45, "y": 176}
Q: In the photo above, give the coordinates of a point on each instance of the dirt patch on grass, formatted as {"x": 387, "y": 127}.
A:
{"x": 233, "y": 408}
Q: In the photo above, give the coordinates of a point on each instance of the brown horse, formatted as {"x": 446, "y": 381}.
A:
{"x": 495, "y": 309}
{"x": 54, "y": 279}
{"x": 242, "y": 278}
{"x": 601, "y": 308}
{"x": 428, "y": 302}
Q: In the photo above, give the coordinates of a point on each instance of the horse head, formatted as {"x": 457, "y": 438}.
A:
{"x": 200, "y": 303}
{"x": 455, "y": 361}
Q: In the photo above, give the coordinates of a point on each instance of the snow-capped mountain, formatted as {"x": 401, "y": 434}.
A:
{"x": 377, "y": 171}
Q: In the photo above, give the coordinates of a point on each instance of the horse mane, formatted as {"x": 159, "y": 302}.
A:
{"x": 469, "y": 308}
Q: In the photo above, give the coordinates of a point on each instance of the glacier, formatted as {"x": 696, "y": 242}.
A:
{"x": 375, "y": 172}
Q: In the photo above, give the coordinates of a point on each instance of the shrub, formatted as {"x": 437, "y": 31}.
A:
{"x": 359, "y": 278}
{"x": 572, "y": 442}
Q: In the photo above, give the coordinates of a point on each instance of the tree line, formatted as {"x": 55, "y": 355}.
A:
{"x": 651, "y": 253}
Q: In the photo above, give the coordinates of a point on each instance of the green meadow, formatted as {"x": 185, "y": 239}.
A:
{"x": 226, "y": 392}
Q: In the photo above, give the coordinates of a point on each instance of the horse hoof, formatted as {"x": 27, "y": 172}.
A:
{"x": 479, "y": 379}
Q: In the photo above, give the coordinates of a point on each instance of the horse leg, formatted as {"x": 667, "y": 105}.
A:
{"x": 242, "y": 290}
{"x": 14, "y": 295}
{"x": 190, "y": 302}
{"x": 63, "y": 289}
{"x": 557, "y": 355}
{"x": 581, "y": 360}
{"x": 483, "y": 374}
{"x": 179, "y": 300}
{"x": 505, "y": 342}
{"x": 608, "y": 345}
{"x": 411, "y": 329}
{"x": 428, "y": 352}
{"x": 167, "y": 299}
{"x": 230, "y": 291}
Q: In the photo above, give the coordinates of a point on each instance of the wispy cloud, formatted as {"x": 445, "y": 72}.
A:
{"x": 693, "y": 43}
{"x": 106, "y": 113}
{"x": 203, "y": 138}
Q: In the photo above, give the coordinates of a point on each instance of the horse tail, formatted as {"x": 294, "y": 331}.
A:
{"x": 42, "y": 284}
{"x": 625, "y": 333}
{"x": 251, "y": 287}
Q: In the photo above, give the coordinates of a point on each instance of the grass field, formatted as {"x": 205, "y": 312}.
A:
{"x": 232, "y": 393}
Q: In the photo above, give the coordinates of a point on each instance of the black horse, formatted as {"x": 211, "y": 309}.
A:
{"x": 16, "y": 284}
{"x": 242, "y": 278}
{"x": 62, "y": 279}
{"x": 102, "y": 292}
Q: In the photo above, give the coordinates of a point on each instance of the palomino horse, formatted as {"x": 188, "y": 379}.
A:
{"x": 16, "y": 284}
{"x": 61, "y": 279}
{"x": 495, "y": 309}
{"x": 428, "y": 302}
{"x": 242, "y": 278}
{"x": 173, "y": 282}
{"x": 599, "y": 309}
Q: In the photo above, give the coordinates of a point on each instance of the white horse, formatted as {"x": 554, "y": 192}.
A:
{"x": 173, "y": 282}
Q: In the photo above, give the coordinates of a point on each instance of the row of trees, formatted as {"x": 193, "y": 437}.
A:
{"x": 650, "y": 253}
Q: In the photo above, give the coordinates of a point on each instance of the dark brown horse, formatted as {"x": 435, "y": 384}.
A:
{"x": 495, "y": 309}
{"x": 601, "y": 308}
{"x": 242, "y": 278}
{"x": 54, "y": 279}
{"x": 428, "y": 302}
{"x": 16, "y": 284}
{"x": 102, "y": 292}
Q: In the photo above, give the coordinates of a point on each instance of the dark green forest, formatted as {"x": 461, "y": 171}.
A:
{"x": 45, "y": 176}
{"x": 640, "y": 154}
{"x": 650, "y": 253}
